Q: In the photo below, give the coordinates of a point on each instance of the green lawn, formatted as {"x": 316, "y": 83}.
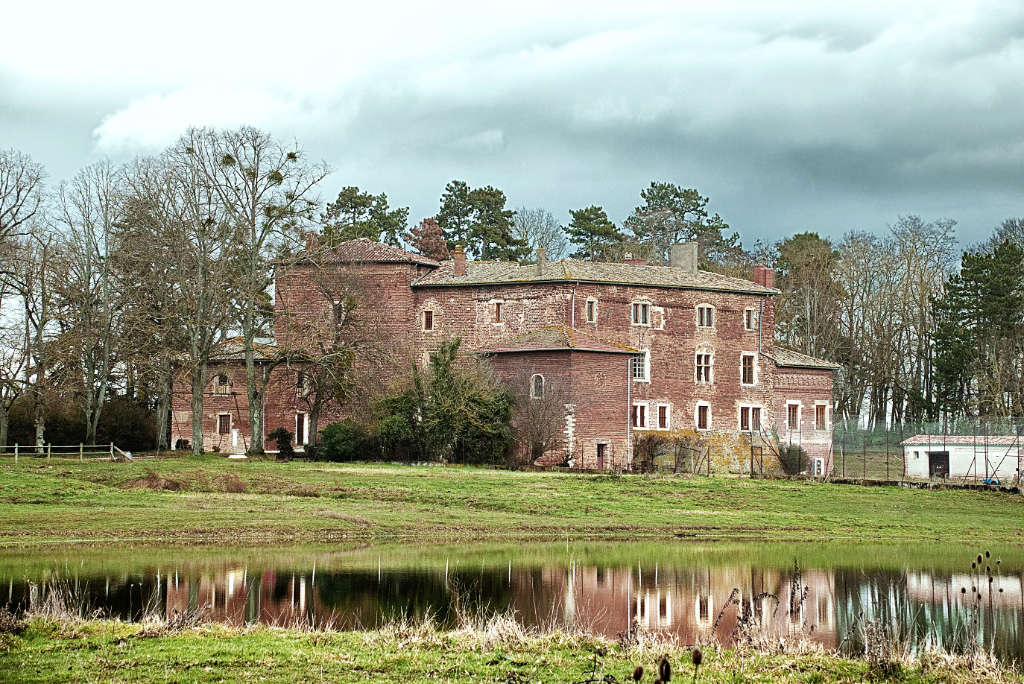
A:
{"x": 51, "y": 650}
{"x": 214, "y": 500}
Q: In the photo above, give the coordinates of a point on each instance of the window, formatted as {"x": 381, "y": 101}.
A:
{"x": 638, "y": 366}
{"x": 704, "y": 368}
{"x": 641, "y": 313}
{"x": 300, "y": 384}
{"x": 750, "y": 418}
{"x": 537, "y": 387}
{"x": 748, "y": 375}
{"x": 497, "y": 312}
{"x": 749, "y": 319}
{"x": 222, "y": 385}
{"x": 793, "y": 415}
{"x": 224, "y": 424}
{"x": 663, "y": 416}
{"x": 703, "y": 420}
{"x": 591, "y": 311}
{"x": 640, "y": 415}
{"x": 428, "y": 320}
{"x": 705, "y": 316}
{"x": 300, "y": 428}
{"x": 819, "y": 417}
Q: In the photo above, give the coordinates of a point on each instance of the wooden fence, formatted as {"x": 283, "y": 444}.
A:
{"x": 72, "y": 451}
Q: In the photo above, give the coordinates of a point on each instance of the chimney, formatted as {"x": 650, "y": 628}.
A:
{"x": 764, "y": 276}
{"x": 684, "y": 256}
{"x": 460, "y": 261}
{"x": 542, "y": 260}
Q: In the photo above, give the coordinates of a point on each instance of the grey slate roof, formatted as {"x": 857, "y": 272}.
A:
{"x": 501, "y": 272}
{"x": 794, "y": 359}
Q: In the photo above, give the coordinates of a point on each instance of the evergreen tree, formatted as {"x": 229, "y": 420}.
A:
{"x": 593, "y": 234}
{"x": 671, "y": 214}
{"x": 357, "y": 214}
{"x": 477, "y": 219}
{"x": 427, "y": 238}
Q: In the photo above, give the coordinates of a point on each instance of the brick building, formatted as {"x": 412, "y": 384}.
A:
{"x": 670, "y": 349}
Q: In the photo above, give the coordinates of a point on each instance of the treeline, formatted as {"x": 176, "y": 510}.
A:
{"x": 118, "y": 278}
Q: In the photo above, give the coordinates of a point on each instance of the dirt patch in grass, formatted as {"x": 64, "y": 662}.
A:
{"x": 232, "y": 484}
{"x": 154, "y": 481}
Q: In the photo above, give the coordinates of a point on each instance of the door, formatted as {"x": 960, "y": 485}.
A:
{"x": 602, "y": 452}
{"x": 938, "y": 464}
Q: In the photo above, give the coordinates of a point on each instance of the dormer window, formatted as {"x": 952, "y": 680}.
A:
{"x": 705, "y": 316}
{"x": 641, "y": 313}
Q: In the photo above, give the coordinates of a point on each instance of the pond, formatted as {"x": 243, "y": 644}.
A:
{"x": 819, "y": 592}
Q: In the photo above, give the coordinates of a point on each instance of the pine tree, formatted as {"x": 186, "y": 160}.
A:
{"x": 594, "y": 235}
{"x": 477, "y": 219}
{"x": 357, "y": 214}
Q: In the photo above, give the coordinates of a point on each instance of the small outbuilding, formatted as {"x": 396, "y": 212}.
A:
{"x": 977, "y": 457}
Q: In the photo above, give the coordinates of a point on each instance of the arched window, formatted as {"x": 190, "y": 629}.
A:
{"x": 537, "y": 386}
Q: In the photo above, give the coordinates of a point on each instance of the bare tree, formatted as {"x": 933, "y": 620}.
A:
{"x": 13, "y": 357}
{"x": 21, "y": 192}
{"x": 539, "y": 419}
{"x": 266, "y": 191}
{"x": 539, "y": 229}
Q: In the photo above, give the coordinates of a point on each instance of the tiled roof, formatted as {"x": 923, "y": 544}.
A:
{"x": 233, "y": 349}
{"x": 556, "y": 337}
{"x": 788, "y": 357}
{"x": 500, "y": 272}
{"x": 964, "y": 440}
{"x": 363, "y": 249}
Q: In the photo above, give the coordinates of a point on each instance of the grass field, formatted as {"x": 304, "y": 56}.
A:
{"x": 63, "y": 650}
{"x": 214, "y": 500}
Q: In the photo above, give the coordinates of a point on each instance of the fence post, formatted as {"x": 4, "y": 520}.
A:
{"x": 111, "y": 451}
{"x": 81, "y": 449}
{"x": 15, "y": 453}
{"x": 49, "y": 450}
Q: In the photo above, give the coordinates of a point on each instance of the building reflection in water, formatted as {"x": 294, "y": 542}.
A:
{"x": 690, "y": 602}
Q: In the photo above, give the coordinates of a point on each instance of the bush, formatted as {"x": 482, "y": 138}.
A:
{"x": 128, "y": 423}
{"x": 283, "y": 437}
{"x": 793, "y": 459}
{"x": 345, "y": 441}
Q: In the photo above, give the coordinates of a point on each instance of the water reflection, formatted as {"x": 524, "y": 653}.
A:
{"x": 823, "y": 605}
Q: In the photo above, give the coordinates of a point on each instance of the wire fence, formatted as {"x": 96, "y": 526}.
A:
{"x": 963, "y": 450}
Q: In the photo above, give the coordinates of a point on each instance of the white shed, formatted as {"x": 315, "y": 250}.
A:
{"x": 959, "y": 456}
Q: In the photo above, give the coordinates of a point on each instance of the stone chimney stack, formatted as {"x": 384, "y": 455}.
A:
{"x": 460, "y": 261}
{"x": 542, "y": 260}
{"x": 684, "y": 256}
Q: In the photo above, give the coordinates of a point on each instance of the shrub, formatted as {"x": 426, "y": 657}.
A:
{"x": 345, "y": 441}
{"x": 283, "y": 437}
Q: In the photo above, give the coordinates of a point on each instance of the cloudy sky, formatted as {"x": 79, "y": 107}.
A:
{"x": 790, "y": 117}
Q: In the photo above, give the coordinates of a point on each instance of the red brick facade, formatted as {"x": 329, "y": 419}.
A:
{"x": 663, "y": 321}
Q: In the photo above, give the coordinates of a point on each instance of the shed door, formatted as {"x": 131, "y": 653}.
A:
{"x": 601, "y": 455}
{"x": 938, "y": 464}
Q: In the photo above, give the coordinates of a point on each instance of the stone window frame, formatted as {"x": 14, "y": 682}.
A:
{"x": 697, "y": 316}
{"x": 754, "y": 364}
{"x": 428, "y": 314}
{"x": 635, "y": 414}
{"x": 646, "y": 367}
{"x": 220, "y": 423}
{"x": 753, "y": 319}
{"x": 750, "y": 417}
{"x": 668, "y": 416}
{"x": 305, "y": 428}
{"x": 533, "y": 386}
{"x": 221, "y": 388}
{"x": 710, "y": 366}
{"x": 302, "y": 387}
{"x": 635, "y": 307}
{"x": 498, "y": 312}
{"x": 799, "y": 416}
{"x": 590, "y": 307}
{"x": 696, "y": 416}
{"x": 828, "y": 416}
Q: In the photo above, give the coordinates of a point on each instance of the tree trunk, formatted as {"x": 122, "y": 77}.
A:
{"x": 163, "y": 408}
{"x": 254, "y": 393}
{"x": 4, "y": 421}
{"x": 198, "y": 385}
{"x": 39, "y": 420}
